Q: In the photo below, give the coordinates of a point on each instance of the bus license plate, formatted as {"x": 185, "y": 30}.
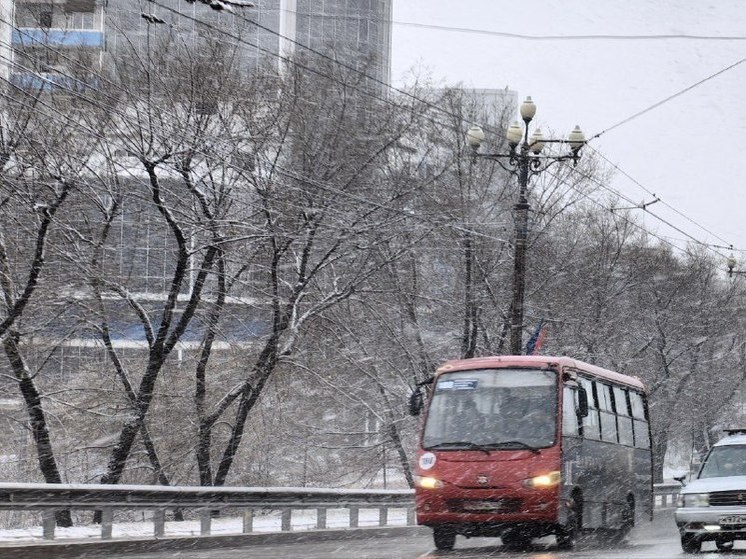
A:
{"x": 732, "y": 520}
{"x": 482, "y": 505}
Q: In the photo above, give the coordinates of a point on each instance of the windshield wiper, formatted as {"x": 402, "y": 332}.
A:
{"x": 513, "y": 444}
{"x": 460, "y": 445}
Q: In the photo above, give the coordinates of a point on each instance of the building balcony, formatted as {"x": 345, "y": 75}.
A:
{"x": 34, "y": 37}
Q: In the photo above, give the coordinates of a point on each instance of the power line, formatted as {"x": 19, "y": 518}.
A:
{"x": 619, "y": 215}
{"x": 667, "y": 99}
{"x": 524, "y": 36}
{"x": 437, "y": 108}
{"x": 458, "y": 117}
{"x": 592, "y": 37}
{"x": 290, "y": 174}
{"x": 693, "y": 239}
{"x": 623, "y": 172}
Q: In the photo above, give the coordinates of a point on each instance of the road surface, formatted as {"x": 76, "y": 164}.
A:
{"x": 656, "y": 540}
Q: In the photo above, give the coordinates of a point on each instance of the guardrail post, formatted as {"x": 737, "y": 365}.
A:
{"x": 107, "y": 520}
{"x": 354, "y": 517}
{"x": 205, "y": 522}
{"x": 383, "y": 516}
{"x": 248, "y": 521}
{"x": 285, "y": 519}
{"x": 411, "y": 517}
{"x": 320, "y": 518}
{"x": 159, "y": 522}
{"x": 48, "y": 522}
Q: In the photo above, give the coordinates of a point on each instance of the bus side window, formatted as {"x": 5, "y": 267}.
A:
{"x": 591, "y": 424}
{"x": 569, "y": 417}
{"x": 624, "y": 421}
{"x": 640, "y": 425}
{"x": 608, "y": 420}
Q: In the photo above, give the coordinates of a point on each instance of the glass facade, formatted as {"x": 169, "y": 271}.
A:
{"x": 357, "y": 32}
{"x": 359, "y": 28}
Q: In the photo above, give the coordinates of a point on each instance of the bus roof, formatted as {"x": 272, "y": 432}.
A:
{"x": 541, "y": 361}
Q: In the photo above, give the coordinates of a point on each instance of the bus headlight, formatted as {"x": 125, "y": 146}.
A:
{"x": 694, "y": 500}
{"x": 544, "y": 481}
{"x": 429, "y": 482}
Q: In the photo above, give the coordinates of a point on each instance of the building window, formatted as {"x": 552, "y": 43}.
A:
{"x": 79, "y": 20}
{"x": 45, "y": 19}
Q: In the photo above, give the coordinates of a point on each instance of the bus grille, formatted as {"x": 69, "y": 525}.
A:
{"x": 728, "y": 498}
{"x": 486, "y": 506}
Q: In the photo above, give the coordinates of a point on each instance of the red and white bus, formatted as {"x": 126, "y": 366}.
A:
{"x": 527, "y": 446}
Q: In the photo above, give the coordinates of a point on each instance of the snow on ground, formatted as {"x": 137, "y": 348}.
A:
{"x": 270, "y": 522}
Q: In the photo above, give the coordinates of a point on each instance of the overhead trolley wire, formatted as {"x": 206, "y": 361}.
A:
{"x": 290, "y": 174}
{"x": 667, "y": 99}
{"x": 631, "y": 178}
{"x": 361, "y": 73}
{"x": 407, "y": 94}
{"x": 588, "y": 37}
{"x": 511, "y": 35}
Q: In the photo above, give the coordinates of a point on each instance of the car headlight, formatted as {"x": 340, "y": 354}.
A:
{"x": 429, "y": 482}
{"x": 694, "y": 500}
{"x": 543, "y": 481}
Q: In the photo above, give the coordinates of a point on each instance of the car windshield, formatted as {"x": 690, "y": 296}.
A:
{"x": 493, "y": 409}
{"x": 724, "y": 461}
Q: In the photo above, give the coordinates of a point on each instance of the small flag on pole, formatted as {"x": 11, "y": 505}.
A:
{"x": 537, "y": 338}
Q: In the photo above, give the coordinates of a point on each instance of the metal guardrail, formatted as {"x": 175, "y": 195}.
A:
{"x": 52, "y": 497}
{"x": 665, "y": 495}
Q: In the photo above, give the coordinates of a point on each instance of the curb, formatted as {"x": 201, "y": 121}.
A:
{"x": 76, "y": 548}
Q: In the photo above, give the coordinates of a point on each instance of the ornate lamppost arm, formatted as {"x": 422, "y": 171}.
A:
{"x": 524, "y": 160}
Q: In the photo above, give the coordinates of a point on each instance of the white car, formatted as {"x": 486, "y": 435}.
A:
{"x": 712, "y": 507}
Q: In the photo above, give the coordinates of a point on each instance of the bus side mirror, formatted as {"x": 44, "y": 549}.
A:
{"x": 415, "y": 402}
{"x": 582, "y": 402}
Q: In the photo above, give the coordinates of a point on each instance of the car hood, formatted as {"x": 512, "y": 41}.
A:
{"x": 712, "y": 484}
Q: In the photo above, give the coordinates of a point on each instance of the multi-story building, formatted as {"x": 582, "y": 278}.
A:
{"x": 57, "y": 42}
{"x": 6, "y": 34}
{"x": 353, "y": 32}
{"x": 359, "y": 31}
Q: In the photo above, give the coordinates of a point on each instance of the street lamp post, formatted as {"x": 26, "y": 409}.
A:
{"x": 524, "y": 159}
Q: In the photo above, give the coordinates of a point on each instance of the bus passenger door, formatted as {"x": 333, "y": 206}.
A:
{"x": 571, "y": 443}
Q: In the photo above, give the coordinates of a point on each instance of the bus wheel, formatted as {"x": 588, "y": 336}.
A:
{"x": 568, "y": 534}
{"x": 690, "y": 543}
{"x": 628, "y": 522}
{"x": 515, "y": 539}
{"x": 444, "y": 537}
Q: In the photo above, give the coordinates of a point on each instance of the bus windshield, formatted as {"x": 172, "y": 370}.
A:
{"x": 492, "y": 409}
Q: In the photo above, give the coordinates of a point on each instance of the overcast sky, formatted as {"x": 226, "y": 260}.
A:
{"x": 690, "y": 151}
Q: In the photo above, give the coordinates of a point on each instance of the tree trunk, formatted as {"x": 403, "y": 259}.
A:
{"x": 403, "y": 458}
{"x": 659, "y": 448}
{"x": 265, "y": 366}
{"x": 37, "y": 420}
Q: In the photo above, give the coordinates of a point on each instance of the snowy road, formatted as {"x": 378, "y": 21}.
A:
{"x": 656, "y": 540}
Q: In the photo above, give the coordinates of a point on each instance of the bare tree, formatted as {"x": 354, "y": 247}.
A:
{"x": 324, "y": 211}
{"x": 43, "y": 158}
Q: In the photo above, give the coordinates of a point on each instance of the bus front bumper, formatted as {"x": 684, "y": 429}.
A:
{"x": 486, "y": 507}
